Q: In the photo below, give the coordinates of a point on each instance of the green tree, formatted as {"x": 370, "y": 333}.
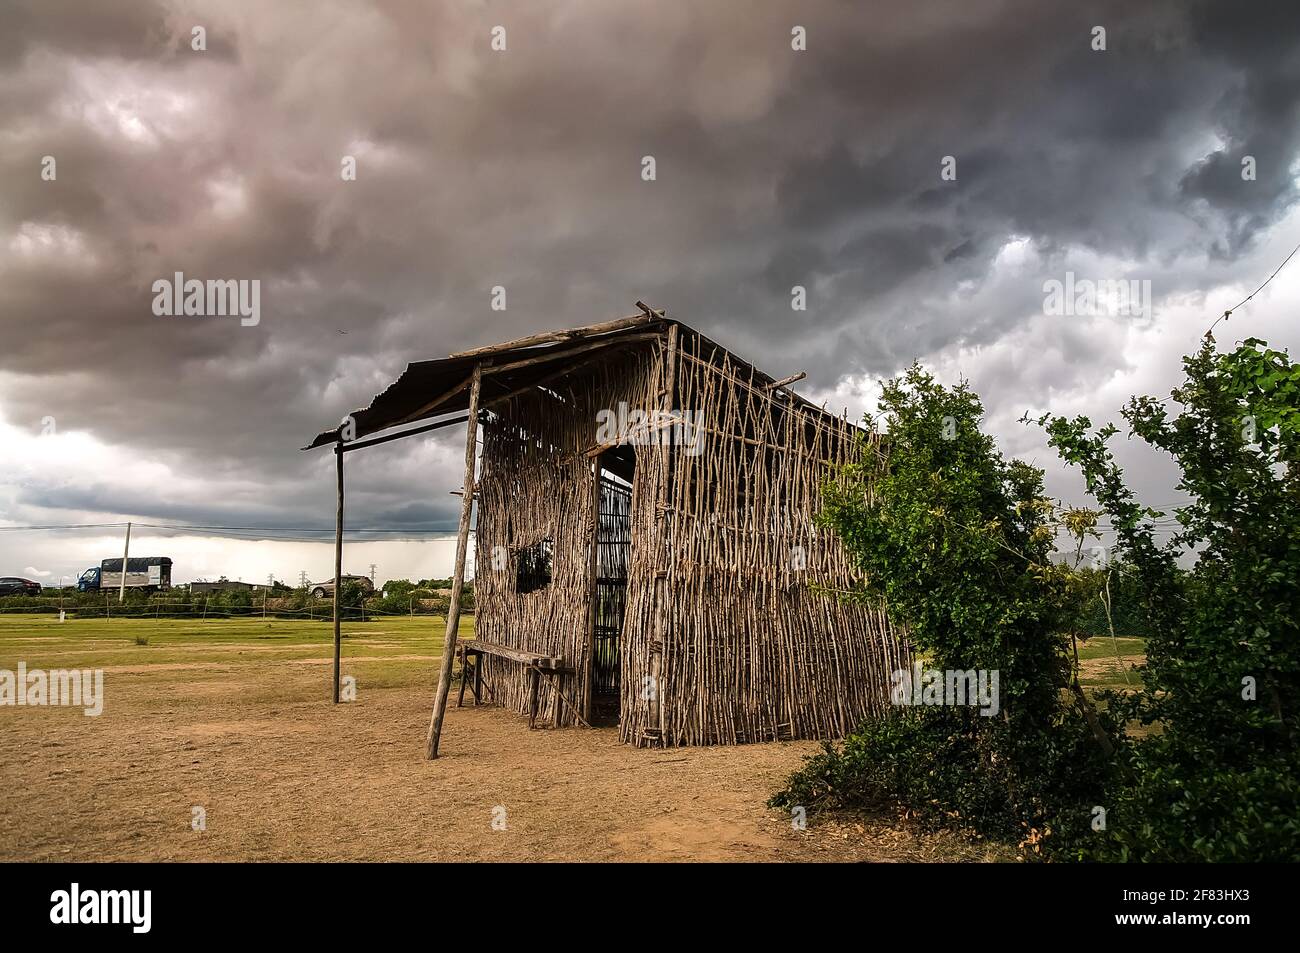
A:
{"x": 1220, "y": 779}
{"x": 957, "y": 542}
{"x": 352, "y": 593}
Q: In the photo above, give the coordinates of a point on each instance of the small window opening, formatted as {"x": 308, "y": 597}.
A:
{"x": 534, "y": 564}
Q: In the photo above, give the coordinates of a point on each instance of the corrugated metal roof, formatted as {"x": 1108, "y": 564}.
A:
{"x": 408, "y": 399}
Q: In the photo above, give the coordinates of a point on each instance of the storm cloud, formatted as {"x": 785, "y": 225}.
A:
{"x": 521, "y": 168}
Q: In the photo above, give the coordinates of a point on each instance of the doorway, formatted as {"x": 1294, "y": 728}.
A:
{"x": 613, "y": 549}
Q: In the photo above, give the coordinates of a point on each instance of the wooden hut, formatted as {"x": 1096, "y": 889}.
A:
{"x": 645, "y": 543}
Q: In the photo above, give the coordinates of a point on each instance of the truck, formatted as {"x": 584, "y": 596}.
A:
{"x": 146, "y": 573}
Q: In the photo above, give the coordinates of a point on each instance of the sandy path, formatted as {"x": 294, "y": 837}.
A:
{"x": 283, "y": 775}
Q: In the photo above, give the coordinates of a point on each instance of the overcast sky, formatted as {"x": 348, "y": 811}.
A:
{"x": 524, "y": 168}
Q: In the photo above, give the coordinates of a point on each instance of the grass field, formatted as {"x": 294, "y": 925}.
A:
{"x": 1100, "y": 669}
{"x": 233, "y": 717}
{"x": 397, "y": 651}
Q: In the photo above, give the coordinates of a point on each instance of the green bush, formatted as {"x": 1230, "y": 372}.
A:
{"x": 955, "y": 539}
{"x": 957, "y": 543}
{"x": 1217, "y": 781}
{"x": 1128, "y": 612}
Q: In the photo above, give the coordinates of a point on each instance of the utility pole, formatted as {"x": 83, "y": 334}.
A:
{"x": 302, "y": 579}
{"x": 126, "y": 554}
{"x": 372, "y": 574}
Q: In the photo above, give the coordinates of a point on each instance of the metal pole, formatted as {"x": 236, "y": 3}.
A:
{"x": 126, "y": 553}
{"x": 338, "y": 563}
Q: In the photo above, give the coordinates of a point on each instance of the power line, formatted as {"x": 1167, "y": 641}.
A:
{"x": 54, "y": 526}
{"x": 1224, "y": 316}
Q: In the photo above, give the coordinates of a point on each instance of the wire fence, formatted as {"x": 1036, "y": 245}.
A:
{"x": 206, "y": 609}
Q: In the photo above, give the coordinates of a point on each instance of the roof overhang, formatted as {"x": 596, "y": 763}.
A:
{"x": 428, "y": 389}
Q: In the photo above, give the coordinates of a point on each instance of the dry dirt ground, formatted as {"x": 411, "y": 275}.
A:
{"x": 245, "y": 731}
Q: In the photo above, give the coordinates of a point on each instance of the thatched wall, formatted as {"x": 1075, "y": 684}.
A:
{"x": 534, "y": 484}
{"x": 729, "y": 636}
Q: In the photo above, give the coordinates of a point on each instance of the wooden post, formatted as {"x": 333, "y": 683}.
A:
{"x": 126, "y": 555}
{"x": 458, "y": 579}
{"x": 464, "y": 673}
{"x": 338, "y": 563}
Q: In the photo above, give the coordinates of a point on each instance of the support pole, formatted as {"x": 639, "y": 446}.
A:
{"x": 126, "y": 554}
{"x": 458, "y": 579}
{"x": 338, "y": 563}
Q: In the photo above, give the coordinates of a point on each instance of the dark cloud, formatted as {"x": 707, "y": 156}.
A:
{"x": 522, "y": 169}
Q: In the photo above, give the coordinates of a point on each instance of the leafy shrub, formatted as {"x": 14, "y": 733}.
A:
{"x": 1216, "y": 777}
{"x": 1219, "y": 779}
{"x": 958, "y": 542}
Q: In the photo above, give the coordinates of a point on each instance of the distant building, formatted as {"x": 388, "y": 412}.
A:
{"x": 221, "y": 585}
{"x": 232, "y": 585}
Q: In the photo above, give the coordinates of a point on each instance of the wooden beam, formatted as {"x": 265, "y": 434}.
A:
{"x": 556, "y": 337}
{"x": 669, "y": 474}
{"x": 458, "y": 579}
{"x": 786, "y": 381}
{"x": 555, "y": 354}
{"x": 636, "y": 435}
{"x": 551, "y": 376}
{"x": 523, "y": 656}
{"x": 338, "y": 564}
{"x": 414, "y": 431}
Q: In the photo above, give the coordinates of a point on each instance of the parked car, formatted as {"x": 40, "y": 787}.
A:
{"x": 17, "y": 586}
{"x": 322, "y": 590}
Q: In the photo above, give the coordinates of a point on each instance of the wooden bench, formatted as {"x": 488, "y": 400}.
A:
{"x": 536, "y": 663}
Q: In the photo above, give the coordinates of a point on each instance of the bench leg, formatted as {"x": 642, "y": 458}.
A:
{"x": 464, "y": 676}
{"x": 478, "y": 681}
{"x": 533, "y": 679}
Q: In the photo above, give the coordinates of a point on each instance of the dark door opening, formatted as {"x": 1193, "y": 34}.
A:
{"x": 613, "y": 549}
